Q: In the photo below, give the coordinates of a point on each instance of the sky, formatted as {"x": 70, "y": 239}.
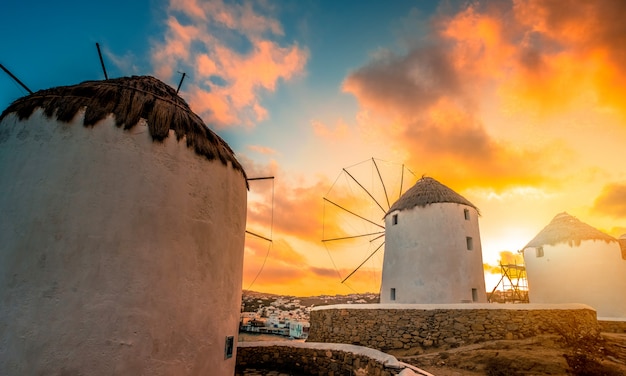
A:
{"x": 519, "y": 106}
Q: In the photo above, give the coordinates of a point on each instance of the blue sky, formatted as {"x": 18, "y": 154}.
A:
{"x": 518, "y": 106}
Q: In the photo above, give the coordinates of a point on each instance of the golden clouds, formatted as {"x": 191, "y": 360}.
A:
{"x": 576, "y": 50}
{"x": 533, "y": 57}
{"x": 340, "y": 132}
{"x": 226, "y": 82}
{"x": 506, "y": 258}
{"x": 612, "y": 200}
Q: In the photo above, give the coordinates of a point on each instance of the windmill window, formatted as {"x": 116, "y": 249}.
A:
{"x": 466, "y": 214}
{"x": 394, "y": 219}
{"x": 539, "y": 252}
{"x": 470, "y": 243}
{"x": 474, "y": 295}
{"x": 228, "y": 347}
{"x": 392, "y": 296}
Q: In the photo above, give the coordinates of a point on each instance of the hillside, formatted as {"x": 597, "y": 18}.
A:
{"x": 540, "y": 355}
{"x": 252, "y": 301}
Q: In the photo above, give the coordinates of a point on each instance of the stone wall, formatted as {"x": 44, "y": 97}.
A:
{"x": 612, "y": 326}
{"x": 320, "y": 359}
{"x": 388, "y": 327}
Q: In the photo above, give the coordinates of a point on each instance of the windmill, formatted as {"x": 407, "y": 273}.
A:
{"x": 353, "y": 227}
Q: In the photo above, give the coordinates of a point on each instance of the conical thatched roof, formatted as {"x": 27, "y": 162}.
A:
{"x": 565, "y": 228}
{"x": 129, "y": 99}
{"x": 428, "y": 191}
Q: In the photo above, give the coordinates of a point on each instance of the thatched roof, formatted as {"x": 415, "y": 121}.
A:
{"x": 622, "y": 245}
{"x": 129, "y": 99}
{"x": 565, "y": 228}
{"x": 428, "y": 191}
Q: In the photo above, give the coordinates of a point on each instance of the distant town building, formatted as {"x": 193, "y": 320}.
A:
{"x": 433, "y": 252}
{"x": 572, "y": 262}
{"x": 299, "y": 329}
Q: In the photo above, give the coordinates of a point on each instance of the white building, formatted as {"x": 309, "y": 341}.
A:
{"x": 433, "y": 252}
{"x": 299, "y": 329}
{"x": 122, "y": 220}
{"x": 571, "y": 262}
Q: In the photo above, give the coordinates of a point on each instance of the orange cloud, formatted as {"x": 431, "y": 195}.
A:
{"x": 477, "y": 40}
{"x": 262, "y": 149}
{"x": 278, "y": 268}
{"x": 277, "y": 276}
{"x": 340, "y": 131}
{"x": 270, "y": 263}
{"x": 175, "y": 48}
{"x": 430, "y": 100}
{"x": 571, "y": 50}
{"x": 506, "y": 258}
{"x": 225, "y": 84}
{"x": 612, "y": 200}
{"x": 295, "y": 208}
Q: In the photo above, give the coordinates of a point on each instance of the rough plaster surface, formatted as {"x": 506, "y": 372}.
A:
{"x": 426, "y": 257}
{"x": 592, "y": 273}
{"x": 119, "y": 255}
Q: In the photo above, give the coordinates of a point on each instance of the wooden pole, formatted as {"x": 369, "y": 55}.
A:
{"x": 106, "y": 77}
{"x": 16, "y": 79}
{"x": 181, "y": 82}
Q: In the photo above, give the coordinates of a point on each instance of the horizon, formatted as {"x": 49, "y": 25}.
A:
{"x": 516, "y": 105}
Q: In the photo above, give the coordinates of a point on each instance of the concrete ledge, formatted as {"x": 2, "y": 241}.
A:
{"x": 321, "y": 359}
{"x": 420, "y": 327}
{"x": 466, "y": 306}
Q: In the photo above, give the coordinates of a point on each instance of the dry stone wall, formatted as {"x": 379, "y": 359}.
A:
{"x": 389, "y": 327}
{"x": 320, "y": 359}
{"x": 612, "y": 326}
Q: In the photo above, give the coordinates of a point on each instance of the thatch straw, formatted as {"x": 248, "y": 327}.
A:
{"x": 129, "y": 99}
{"x": 428, "y": 191}
{"x": 565, "y": 228}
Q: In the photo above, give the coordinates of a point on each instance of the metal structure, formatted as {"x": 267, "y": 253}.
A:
{"x": 354, "y": 209}
{"x": 513, "y": 283}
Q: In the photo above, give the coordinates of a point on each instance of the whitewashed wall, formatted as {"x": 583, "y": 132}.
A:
{"x": 119, "y": 255}
{"x": 592, "y": 273}
{"x": 426, "y": 256}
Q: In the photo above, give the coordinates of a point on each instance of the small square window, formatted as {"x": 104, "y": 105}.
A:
{"x": 394, "y": 219}
{"x": 466, "y": 214}
{"x": 393, "y": 294}
{"x": 539, "y": 252}
{"x": 470, "y": 243}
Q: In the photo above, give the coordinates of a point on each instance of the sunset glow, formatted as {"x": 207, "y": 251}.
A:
{"x": 518, "y": 105}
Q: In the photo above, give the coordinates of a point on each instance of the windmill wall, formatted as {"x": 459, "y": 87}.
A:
{"x": 427, "y": 256}
{"x": 592, "y": 272}
{"x": 119, "y": 255}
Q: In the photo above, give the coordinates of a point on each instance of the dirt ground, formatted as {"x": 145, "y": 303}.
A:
{"x": 541, "y": 355}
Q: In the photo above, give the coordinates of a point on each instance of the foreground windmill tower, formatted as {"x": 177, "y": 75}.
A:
{"x": 122, "y": 220}
{"x": 570, "y": 261}
{"x": 432, "y": 248}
